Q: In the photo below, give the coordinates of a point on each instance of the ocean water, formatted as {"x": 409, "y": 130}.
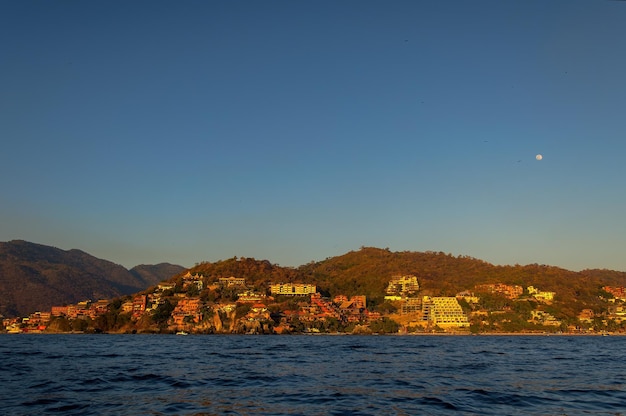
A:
{"x": 311, "y": 375}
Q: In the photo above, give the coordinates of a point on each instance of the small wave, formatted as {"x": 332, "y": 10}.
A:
{"x": 311, "y": 376}
{"x": 507, "y": 399}
{"x": 41, "y": 402}
{"x": 68, "y": 408}
{"x": 488, "y": 352}
{"x": 147, "y": 377}
{"x": 436, "y": 402}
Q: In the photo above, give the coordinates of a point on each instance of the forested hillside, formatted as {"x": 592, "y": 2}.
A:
{"x": 34, "y": 277}
{"x": 368, "y": 270}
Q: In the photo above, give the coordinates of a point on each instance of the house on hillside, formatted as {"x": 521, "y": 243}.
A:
{"x": 543, "y": 318}
{"x": 510, "y": 291}
{"x": 187, "y": 307}
{"x": 618, "y": 292}
{"x": 540, "y": 295}
{"x": 196, "y": 280}
{"x": 166, "y": 286}
{"x": 250, "y": 296}
{"x": 139, "y": 305}
{"x": 586, "y": 316}
{"x": 353, "y": 309}
{"x": 468, "y": 297}
{"x": 232, "y": 281}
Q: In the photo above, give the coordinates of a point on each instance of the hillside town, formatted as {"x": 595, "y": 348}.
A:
{"x": 193, "y": 303}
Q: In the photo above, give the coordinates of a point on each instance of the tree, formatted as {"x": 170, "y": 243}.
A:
{"x": 385, "y": 308}
{"x": 523, "y": 308}
{"x": 79, "y": 325}
{"x": 162, "y": 313}
{"x": 106, "y": 322}
{"x": 193, "y": 290}
{"x": 385, "y": 326}
{"x": 242, "y": 310}
{"x": 60, "y": 324}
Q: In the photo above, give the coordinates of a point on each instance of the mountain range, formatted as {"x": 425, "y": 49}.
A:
{"x": 34, "y": 277}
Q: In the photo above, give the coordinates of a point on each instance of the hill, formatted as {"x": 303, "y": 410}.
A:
{"x": 196, "y": 300}
{"x": 150, "y": 274}
{"x": 35, "y": 277}
{"x": 367, "y": 272}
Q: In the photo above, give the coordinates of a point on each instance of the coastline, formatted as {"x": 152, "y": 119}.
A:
{"x": 333, "y": 334}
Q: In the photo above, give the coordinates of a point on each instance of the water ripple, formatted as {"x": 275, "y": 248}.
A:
{"x": 311, "y": 375}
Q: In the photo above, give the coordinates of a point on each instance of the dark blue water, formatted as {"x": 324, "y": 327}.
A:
{"x": 311, "y": 375}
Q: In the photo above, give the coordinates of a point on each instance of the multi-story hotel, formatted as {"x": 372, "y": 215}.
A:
{"x": 403, "y": 285}
{"x": 293, "y": 289}
{"x": 443, "y": 312}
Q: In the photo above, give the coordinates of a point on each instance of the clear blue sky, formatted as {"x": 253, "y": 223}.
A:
{"x": 151, "y": 131}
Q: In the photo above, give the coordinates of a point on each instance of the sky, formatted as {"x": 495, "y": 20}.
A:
{"x": 159, "y": 131}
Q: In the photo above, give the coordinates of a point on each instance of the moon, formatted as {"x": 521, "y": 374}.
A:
{"x": 538, "y": 157}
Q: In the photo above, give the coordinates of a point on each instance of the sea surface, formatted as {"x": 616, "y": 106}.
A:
{"x": 311, "y": 375}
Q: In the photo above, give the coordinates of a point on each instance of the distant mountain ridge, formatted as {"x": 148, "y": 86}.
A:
{"x": 150, "y": 274}
{"x": 35, "y": 277}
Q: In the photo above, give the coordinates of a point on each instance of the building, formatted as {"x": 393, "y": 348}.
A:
{"x": 250, "y": 296}
{"x": 543, "y": 318}
{"x": 586, "y": 316}
{"x": 258, "y": 312}
{"x": 100, "y": 307}
{"x": 326, "y": 308}
{"x": 189, "y": 276}
{"x": 617, "y": 313}
{"x": 353, "y": 309}
{"x": 196, "y": 280}
{"x": 403, "y": 285}
{"x": 39, "y": 318}
{"x": 468, "y": 297}
{"x": 139, "y": 305}
{"x": 540, "y": 295}
{"x": 166, "y": 286}
{"x": 510, "y": 291}
{"x": 617, "y": 292}
{"x": 232, "y": 281}
{"x": 340, "y": 299}
{"x": 360, "y": 301}
{"x": 411, "y": 305}
{"x": 293, "y": 289}
{"x": 59, "y": 311}
{"x": 187, "y": 307}
{"x": 444, "y": 312}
